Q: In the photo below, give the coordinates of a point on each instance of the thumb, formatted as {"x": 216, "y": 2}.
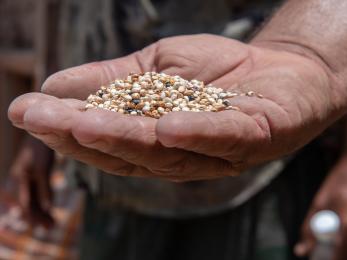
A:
{"x": 78, "y": 82}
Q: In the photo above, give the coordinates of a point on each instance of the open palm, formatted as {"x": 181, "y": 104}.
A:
{"x": 182, "y": 146}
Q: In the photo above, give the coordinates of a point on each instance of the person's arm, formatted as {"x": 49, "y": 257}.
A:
{"x": 316, "y": 29}
{"x": 303, "y": 94}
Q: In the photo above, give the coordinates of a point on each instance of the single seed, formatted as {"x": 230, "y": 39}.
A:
{"x": 136, "y": 101}
{"x": 146, "y": 108}
{"x": 135, "y": 96}
{"x": 128, "y": 97}
{"x": 181, "y": 89}
{"x": 226, "y": 102}
{"x": 139, "y": 106}
{"x": 168, "y": 105}
{"x": 250, "y": 93}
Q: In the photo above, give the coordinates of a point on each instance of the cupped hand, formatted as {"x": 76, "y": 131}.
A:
{"x": 31, "y": 169}
{"x": 301, "y": 98}
{"x": 331, "y": 196}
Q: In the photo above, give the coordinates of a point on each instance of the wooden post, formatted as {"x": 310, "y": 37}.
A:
{"x": 23, "y": 71}
{"x": 10, "y": 137}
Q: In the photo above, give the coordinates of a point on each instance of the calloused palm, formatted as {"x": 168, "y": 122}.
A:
{"x": 300, "y": 100}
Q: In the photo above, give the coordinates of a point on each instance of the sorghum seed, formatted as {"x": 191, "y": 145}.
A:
{"x": 181, "y": 89}
{"x": 155, "y": 94}
{"x": 127, "y": 97}
{"x": 226, "y": 102}
{"x": 135, "y": 95}
{"x": 136, "y": 101}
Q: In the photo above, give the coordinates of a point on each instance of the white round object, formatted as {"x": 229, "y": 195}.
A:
{"x": 325, "y": 224}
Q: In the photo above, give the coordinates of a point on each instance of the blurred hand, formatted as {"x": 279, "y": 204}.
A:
{"x": 301, "y": 98}
{"x": 31, "y": 169}
{"x": 333, "y": 196}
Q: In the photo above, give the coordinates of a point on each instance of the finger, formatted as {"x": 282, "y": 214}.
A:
{"x": 51, "y": 121}
{"x": 129, "y": 137}
{"x": 19, "y": 106}
{"x": 229, "y": 135}
{"x": 134, "y": 140}
{"x": 79, "y": 82}
{"x": 232, "y": 135}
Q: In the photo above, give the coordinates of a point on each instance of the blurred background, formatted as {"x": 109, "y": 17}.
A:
{"x": 28, "y": 54}
{"x": 40, "y": 212}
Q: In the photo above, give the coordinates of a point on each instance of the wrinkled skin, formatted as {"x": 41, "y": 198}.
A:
{"x": 301, "y": 98}
{"x": 31, "y": 169}
{"x": 333, "y": 196}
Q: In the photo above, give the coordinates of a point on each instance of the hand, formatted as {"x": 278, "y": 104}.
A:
{"x": 301, "y": 98}
{"x": 332, "y": 196}
{"x": 31, "y": 169}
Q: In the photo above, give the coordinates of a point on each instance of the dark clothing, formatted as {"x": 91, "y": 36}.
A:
{"x": 265, "y": 227}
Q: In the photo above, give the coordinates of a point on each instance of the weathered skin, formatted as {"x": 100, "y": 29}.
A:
{"x": 302, "y": 97}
